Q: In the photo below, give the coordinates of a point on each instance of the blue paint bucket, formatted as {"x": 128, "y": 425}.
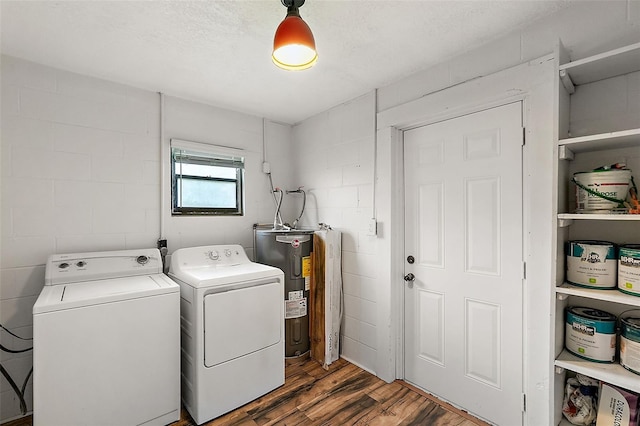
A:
{"x": 630, "y": 342}
{"x": 592, "y": 264}
{"x": 591, "y": 334}
{"x": 629, "y": 269}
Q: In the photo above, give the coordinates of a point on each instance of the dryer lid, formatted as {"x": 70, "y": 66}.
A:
{"x": 210, "y": 276}
{"x": 75, "y": 295}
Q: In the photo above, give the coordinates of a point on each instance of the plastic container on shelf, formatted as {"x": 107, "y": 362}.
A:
{"x": 601, "y": 190}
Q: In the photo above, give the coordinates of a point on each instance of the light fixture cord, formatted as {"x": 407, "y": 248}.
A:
{"x": 293, "y": 7}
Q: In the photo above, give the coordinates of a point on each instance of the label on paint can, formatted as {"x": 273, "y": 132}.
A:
{"x": 630, "y": 344}
{"x": 629, "y": 269}
{"x": 590, "y": 334}
{"x": 592, "y": 264}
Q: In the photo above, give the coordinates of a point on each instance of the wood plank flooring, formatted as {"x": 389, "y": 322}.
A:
{"x": 343, "y": 395}
{"x": 340, "y": 396}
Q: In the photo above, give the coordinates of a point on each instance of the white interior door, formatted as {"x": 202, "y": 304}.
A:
{"x": 463, "y": 226}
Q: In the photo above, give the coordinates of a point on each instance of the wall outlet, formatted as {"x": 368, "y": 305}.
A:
{"x": 372, "y": 227}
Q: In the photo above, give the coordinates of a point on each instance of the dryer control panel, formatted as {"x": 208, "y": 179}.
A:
{"x": 208, "y": 256}
{"x": 223, "y": 255}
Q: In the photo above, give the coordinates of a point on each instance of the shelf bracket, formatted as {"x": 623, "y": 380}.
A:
{"x": 563, "y": 223}
{"x": 559, "y": 370}
{"x": 564, "y": 153}
{"x": 562, "y": 296}
{"x": 565, "y": 78}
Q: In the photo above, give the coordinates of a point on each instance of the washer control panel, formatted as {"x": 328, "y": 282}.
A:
{"x": 77, "y": 267}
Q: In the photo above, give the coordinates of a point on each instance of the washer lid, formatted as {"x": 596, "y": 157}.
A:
{"x": 75, "y": 295}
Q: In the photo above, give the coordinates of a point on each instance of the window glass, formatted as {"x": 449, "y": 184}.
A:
{"x": 205, "y": 182}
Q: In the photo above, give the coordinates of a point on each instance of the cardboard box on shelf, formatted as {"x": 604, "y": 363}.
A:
{"x": 617, "y": 407}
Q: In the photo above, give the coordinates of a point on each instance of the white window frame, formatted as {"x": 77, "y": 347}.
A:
{"x": 207, "y": 154}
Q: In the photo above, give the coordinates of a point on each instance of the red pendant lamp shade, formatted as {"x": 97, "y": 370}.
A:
{"x": 294, "y": 47}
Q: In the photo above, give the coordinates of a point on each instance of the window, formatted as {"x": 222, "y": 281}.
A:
{"x": 206, "y": 179}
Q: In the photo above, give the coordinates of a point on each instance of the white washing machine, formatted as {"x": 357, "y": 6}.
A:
{"x": 106, "y": 336}
{"x": 232, "y": 315}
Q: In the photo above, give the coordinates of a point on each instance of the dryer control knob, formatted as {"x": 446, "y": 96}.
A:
{"x": 213, "y": 255}
{"x": 142, "y": 259}
{"x": 227, "y": 253}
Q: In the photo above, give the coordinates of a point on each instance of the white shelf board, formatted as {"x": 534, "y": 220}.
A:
{"x": 606, "y": 295}
{"x": 599, "y": 216}
{"x": 614, "y": 374}
{"x": 604, "y": 65}
{"x": 613, "y": 140}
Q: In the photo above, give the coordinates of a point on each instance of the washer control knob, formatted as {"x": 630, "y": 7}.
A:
{"x": 213, "y": 255}
{"x": 142, "y": 259}
{"x": 81, "y": 264}
{"x": 63, "y": 265}
{"x": 227, "y": 252}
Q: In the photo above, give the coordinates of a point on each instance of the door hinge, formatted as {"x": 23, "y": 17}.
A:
{"x": 524, "y": 270}
{"x": 524, "y": 402}
{"x": 524, "y": 136}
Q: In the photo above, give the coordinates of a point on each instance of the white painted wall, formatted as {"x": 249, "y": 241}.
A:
{"x": 80, "y": 162}
{"x": 585, "y": 29}
{"x": 334, "y": 156}
{"x": 606, "y": 105}
{"x": 67, "y": 137}
{"x": 201, "y": 123}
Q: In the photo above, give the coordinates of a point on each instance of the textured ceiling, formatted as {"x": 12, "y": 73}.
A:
{"x": 219, "y": 52}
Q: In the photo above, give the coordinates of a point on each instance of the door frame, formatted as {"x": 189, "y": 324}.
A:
{"x": 532, "y": 84}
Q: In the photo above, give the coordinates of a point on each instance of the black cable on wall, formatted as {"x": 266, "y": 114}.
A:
{"x": 18, "y": 391}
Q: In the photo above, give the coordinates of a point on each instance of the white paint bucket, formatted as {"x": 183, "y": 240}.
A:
{"x": 630, "y": 342}
{"x": 601, "y": 190}
{"x": 590, "y": 334}
{"x": 629, "y": 269}
{"x": 592, "y": 264}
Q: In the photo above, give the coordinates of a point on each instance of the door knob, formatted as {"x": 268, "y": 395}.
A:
{"x": 409, "y": 277}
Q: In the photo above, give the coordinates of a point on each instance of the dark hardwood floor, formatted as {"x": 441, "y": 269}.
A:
{"x": 340, "y": 396}
{"x": 343, "y": 395}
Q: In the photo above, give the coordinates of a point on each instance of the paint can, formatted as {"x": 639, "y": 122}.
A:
{"x": 591, "y": 334}
{"x": 630, "y": 342}
{"x": 629, "y": 269}
{"x": 592, "y": 264}
{"x": 601, "y": 190}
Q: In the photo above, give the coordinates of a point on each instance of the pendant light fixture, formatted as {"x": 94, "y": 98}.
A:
{"x": 294, "y": 47}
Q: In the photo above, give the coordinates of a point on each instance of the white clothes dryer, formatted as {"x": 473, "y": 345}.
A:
{"x": 106, "y": 336}
{"x": 232, "y": 315}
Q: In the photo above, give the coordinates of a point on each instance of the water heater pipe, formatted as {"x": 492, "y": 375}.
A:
{"x": 304, "y": 202}
{"x": 278, "y": 218}
{"x": 163, "y": 166}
